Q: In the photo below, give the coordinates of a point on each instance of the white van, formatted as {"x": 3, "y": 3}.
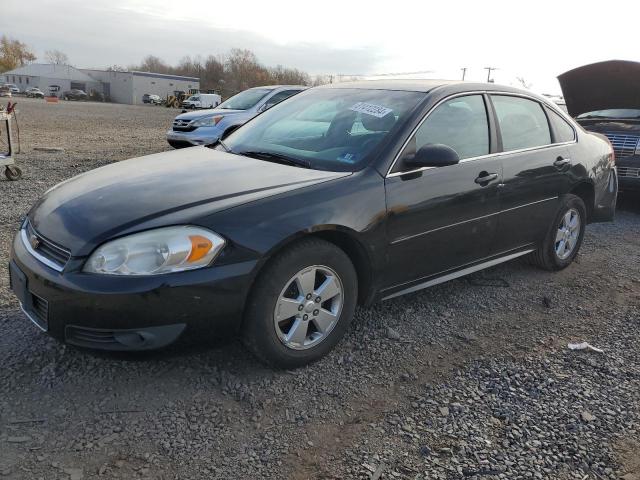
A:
{"x": 202, "y": 100}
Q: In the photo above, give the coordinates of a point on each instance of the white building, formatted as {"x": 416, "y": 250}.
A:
{"x": 129, "y": 87}
{"x": 118, "y": 87}
{"x": 51, "y": 78}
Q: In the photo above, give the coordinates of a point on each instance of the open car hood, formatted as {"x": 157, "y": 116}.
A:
{"x": 603, "y": 85}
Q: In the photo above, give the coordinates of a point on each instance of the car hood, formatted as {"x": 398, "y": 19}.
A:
{"x": 170, "y": 188}
{"x": 599, "y": 86}
{"x": 207, "y": 112}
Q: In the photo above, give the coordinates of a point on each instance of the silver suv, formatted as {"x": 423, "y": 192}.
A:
{"x": 204, "y": 127}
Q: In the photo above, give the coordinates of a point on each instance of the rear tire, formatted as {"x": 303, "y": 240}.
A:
{"x": 287, "y": 322}
{"x": 565, "y": 235}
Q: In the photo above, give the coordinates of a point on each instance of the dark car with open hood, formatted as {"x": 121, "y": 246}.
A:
{"x": 340, "y": 195}
{"x": 605, "y": 98}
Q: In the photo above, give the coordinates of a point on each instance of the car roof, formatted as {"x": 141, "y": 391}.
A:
{"x": 274, "y": 87}
{"x": 425, "y": 85}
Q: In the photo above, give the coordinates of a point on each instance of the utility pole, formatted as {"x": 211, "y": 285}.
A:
{"x": 464, "y": 72}
{"x": 489, "y": 70}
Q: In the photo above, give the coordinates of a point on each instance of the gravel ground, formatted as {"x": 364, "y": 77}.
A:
{"x": 469, "y": 379}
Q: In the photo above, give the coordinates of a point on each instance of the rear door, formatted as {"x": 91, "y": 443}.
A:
{"x": 536, "y": 166}
{"x": 446, "y": 217}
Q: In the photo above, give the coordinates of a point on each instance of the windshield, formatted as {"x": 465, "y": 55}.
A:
{"x": 245, "y": 100}
{"x": 327, "y": 128}
{"x": 193, "y": 99}
{"x": 612, "y": 113}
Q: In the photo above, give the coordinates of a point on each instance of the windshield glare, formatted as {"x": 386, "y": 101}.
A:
{"x": 613, "y": 113}
{"x": 245, "y": 100}
{"x": 329, "y": 128}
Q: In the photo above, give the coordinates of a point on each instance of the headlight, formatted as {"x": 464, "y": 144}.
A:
{"x": 208, "y": 121}
{"x": 163, "y": 250}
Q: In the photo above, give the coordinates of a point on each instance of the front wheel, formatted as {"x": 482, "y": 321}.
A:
{"x": 564, "y": 238}
{"x": 301, "y": 305}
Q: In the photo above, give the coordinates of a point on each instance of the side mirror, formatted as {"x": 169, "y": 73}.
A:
{"x": 433, "y": 155}
{"x": 266, "y": 106}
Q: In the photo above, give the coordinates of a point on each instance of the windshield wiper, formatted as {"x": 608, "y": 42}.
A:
{"x": 276, "y": 158}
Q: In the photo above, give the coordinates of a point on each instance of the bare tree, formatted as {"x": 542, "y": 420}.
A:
{"x": 230, "y": 74}
{"x": 14, "y": 54}
{"x": 56, "y": 57}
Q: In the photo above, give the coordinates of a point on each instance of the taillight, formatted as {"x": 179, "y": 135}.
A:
{"x": 612, "y": 154}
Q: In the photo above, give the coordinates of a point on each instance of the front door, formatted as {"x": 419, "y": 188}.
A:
{"x": 443, "y": 218}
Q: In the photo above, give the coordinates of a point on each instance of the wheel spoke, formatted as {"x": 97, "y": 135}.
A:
{"x": 324, "y": 320}
{"x": 568, "y": 245}
{"x": 328, "y": 289}
{"x": 567, "y": 219}
{"x": 287, "y": 308}
{"x": 306, "y": 281}
{"x": 560, "y": 247}
{"x": 298, "y": 332}
{"x": 559, "y": 235}
{"x": 574, "y": 223}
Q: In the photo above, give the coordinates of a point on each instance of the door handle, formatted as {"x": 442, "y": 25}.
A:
{"x": 561, "y": 162}
{"x": 484, "y": 178}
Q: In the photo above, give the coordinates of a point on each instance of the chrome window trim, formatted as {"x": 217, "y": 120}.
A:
{"x": 38, "y": 256}
{"x": 481, "y": 157}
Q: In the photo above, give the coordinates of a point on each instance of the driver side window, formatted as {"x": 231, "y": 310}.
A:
{"x": 460, "y": 123}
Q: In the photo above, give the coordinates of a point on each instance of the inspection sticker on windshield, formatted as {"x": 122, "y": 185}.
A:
{"x": 371, "y": 109}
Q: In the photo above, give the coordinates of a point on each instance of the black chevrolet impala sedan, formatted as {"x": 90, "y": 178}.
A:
{"x": 342, "y": 195}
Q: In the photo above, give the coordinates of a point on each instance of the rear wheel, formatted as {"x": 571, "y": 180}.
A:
{"x": 563, "y": 241}
{"x": 301, "y": 304}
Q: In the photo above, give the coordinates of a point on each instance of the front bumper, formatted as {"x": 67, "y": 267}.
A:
{"x": 128, "y": 313}
{"x": 199, "y": 136}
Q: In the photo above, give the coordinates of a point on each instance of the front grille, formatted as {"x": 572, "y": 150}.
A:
{"x": 49, "y": 250}
{"x": 629, "y": 172}
{"x": 40, "y": 308}
{"x": 183, "y": 126}
{"x": 623, "y": 145}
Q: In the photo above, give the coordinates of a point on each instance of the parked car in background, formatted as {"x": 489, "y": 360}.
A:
{"x": 13, "y": 87}
{"x": 342, "y": 194}
{"x": 74, "y": 94}
{"x": 202, "y": 100}
{"x": 605, "y": 98}
{"x": 207, "y": 126}
{"x": 5, "y": 91}
{"x": 151, "y": 98}
{"x": 34, "y": 92}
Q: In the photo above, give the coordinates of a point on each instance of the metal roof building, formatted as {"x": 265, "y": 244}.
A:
{"x": 118, "y": 87}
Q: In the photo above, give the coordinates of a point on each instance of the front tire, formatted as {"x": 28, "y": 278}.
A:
{"x": 301, "y": 304}
{"x": 564, "y": 238}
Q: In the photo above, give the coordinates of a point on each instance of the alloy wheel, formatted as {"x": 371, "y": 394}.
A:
{"x": 568, "y": 234}
{"x": 308, "y": 307}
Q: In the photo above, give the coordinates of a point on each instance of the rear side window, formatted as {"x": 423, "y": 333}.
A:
{"x": 460, "y": 123}
{"x": 563, "y": 131}
{"x": 523, "y": 123}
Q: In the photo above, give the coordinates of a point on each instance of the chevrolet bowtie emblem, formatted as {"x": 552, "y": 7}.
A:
{"x": 34, "y": 241}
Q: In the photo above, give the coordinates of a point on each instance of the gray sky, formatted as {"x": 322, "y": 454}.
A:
{"x": 535, "y": 40}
